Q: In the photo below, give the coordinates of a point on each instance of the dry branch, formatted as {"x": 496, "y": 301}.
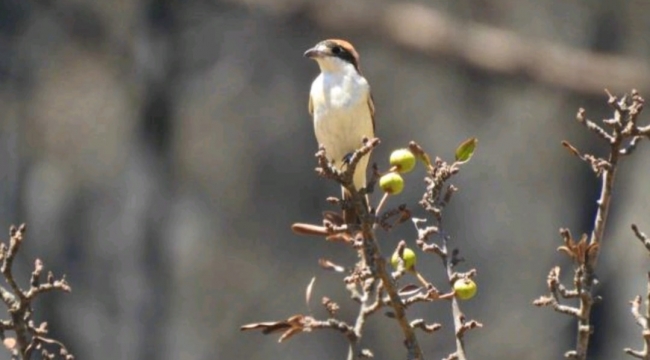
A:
{"x": 29, "y": 337}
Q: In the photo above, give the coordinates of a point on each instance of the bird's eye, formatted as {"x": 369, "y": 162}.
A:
{"x": 337, "y": 50}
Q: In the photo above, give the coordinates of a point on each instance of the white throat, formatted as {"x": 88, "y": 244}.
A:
{"x": 332, "y": 64}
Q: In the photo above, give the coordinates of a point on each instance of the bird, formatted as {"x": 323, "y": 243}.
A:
{"x": 342, "y": 108}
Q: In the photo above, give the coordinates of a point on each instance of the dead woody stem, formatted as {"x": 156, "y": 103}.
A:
{"x": 622, "y": 134}
{"x": 29, "y": 337}
{"x": 371, "y": 282}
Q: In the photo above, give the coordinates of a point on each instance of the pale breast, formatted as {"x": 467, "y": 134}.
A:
{"x": 332, "y": 92}
{"x": 341, "y": 113}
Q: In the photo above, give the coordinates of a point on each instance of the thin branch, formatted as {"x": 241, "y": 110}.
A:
{"x": 19, "y": 302}
{"x": 622, "y": 134}
{"x": 627, "y": 113}
{"x": 435, "y": 198}
{"x": 362, "y": 237}
{"x": 641, "y": 236}
{"x": 641, "y": 319}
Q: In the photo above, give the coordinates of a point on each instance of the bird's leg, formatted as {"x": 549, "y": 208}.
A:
{"x": 347, "y": 158}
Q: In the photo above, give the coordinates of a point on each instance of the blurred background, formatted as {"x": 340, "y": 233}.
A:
{"x": 159, "y": 151}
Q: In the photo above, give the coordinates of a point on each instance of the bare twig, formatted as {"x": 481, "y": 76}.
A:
{"x": 622, "y": 134}
{"x": 371, "y": 255}
{"x": 641, "y": 236}
{"x": 370, "y": 279}
{"x": 642, "y": 319}
{"x": 627, "y": 112}
{"x": 435, "y": 198}
{"x": 370, "y": 282}
{"x": 19, "y": 302}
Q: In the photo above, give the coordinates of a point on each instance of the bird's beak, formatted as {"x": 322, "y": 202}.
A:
{"x": 314, "y": 52}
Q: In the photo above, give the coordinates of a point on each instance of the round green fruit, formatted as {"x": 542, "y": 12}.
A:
{"x": 465, "y": 289}
{"x": 403, "y": 160}
{"x": 408, "y": 256}
{"x": 392, "y": 183}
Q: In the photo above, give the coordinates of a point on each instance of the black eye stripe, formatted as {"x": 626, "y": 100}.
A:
{"x": 342, "y": 53}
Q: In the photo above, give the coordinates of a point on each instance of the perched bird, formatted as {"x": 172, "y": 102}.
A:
{"x": 341, "y": 105}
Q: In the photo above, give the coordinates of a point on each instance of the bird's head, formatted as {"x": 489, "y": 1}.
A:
{"x": 334, "y": 55}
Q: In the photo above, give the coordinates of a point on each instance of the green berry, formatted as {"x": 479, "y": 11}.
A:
{"x": 408, "y": 256}
{"x": 392, "y": 183}
{"x": 465, "y": 289}
{"x": 403, "y": 160}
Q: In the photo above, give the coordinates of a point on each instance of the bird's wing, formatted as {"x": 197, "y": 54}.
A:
{"x": 311, "y": 106}
{"x": 371, "y": 105}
